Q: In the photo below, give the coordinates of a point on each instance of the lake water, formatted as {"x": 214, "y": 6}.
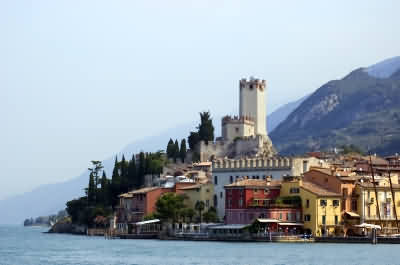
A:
{"x": 19, "y": 245}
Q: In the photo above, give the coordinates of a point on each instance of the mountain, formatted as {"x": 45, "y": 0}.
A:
{"x": 362, "y": 109}
{"x": 280, "y": 114}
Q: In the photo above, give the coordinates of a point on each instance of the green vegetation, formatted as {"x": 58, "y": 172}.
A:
{"x": 102, "y": 194}
{"x": 205, "y": 131}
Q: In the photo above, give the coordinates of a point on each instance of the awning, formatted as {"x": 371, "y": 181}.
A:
{"x": 369, "y": 226}
{"x": 291, "y": 224}
{"x": 351, "y": 214}
{"x": 225, "y": 227}
{"x": 148, "y": 222}
{"x": 266, "y": 221}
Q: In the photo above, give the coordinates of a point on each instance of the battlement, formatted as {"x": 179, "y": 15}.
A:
{"x": 237, "y": 119}
{"x": 253, "y": 83}
{"x": 275, "y": 163}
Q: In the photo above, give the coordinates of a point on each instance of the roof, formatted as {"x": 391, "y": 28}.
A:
{"x": 202, "y": 164}
{"x": 255, "y": 183}
{"x": 351, "y": 214}
{"x": 197, "y": 186}
{"x": 326, "y": 171}
{"x": 318, "y": 190}
{"x": 149, "y": 222}
{"x": 371, "y": 185}
{"x": 376, "y": 160}
{"x": 144, "y": 190}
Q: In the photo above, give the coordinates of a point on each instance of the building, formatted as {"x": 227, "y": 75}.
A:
{"x": 245, "y": 134}
{"x": 227, "y": 171}
{"x": 198, "y": 192}
{"x": 320, "y": 207}
{"x": 387, "y": 202}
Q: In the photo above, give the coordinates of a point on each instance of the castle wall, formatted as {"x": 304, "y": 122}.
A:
{"x": 237, "y": 128}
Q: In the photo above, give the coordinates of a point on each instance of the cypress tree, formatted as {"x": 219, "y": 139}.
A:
{"x": 124, "y": 175}
{"x": 132, "y": 174}
{"x": 115, "y": 183}
{"x": 142, "y": 168}
{"x": 91, "y": 191}
{"x": 176, "y": 150}
{"x": 170, "y": 148}
{"x": 183, "y": 150}
{"x": 105, "y": 191}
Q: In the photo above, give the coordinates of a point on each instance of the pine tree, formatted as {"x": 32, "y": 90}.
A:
{"x": 170, "y": 149}
{"x": 176, "y": 150}
{"x": 182, "y": 151}
{"x": 132, "y": 174}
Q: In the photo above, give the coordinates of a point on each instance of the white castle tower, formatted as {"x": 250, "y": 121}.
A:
{"x": 252, "y": 103}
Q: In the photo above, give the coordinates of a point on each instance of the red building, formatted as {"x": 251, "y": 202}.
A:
{"x": 250, "y": 199}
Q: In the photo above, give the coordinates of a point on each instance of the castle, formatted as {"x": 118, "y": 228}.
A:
{"x": 246, "y": 134}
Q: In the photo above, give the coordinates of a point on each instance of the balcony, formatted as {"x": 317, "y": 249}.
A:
{"x": 383, "y": 217}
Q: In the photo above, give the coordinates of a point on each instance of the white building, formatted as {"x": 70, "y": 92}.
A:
{"x": 227, "y": 171}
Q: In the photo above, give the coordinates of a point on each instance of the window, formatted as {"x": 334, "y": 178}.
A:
{"x": 287, "y": 217}
{"x": 221, "y": 195}
{"x": 308, "y": 204}
{"x": 354, "y": 205}
{"x": 280, "y": 216}
{"x": 231, "y": 179}
{"x": 215, "y": 201}
{"x": 236, "y": 129}
{"x": 345, "y": 192}
{"x": 255, "y": 190}
{"x": 294, "y": 190}
{"x": 336, "y": 220}
{"x": 240, "y": 203}
{"x": 207, "y": 203}
{"x": 216, "y": 180}
{"x": 336, "y": 203}
{"x": 323, "y": 203}
{"x": 264, "y": 177}
{"x": 229, "y": 203}
{"x": 266, "y": 191}
{"x": 324, "y": 219}
{"x": 343, "y": 205}
{"x": 307, "y": 218}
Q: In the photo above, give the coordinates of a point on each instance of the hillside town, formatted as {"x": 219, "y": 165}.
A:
{"x": 239, "y": 188}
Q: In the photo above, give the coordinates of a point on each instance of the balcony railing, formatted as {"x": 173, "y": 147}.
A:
{"x": 383, "y": 217}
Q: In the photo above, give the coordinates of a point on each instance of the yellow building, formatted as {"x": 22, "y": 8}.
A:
{"x": 367, "y": 205}
{"x": 198, "y": 192}
{"x": 321, "y": 207}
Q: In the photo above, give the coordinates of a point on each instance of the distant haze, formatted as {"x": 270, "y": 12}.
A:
{"x": 81, "y": 79}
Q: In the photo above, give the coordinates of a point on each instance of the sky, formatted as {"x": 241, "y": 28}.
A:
{"x": 79, "y": 80}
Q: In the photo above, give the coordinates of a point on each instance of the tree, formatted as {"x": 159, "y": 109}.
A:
{"x": 169, "y": 205}
{"x": 176, "y": 150}
{"x": 199, "y": 206}
{"x": 211, "y": 216}
{"x": 194, "y": 139}
{"x": 95, "y": 170}
{"x": 132, "y": 174}
{"x": 170, "y": 149}
{"x": 115, "y": 184}
{"x": 123, "y": 169}
{"x": 105, "y": 191}
{"x": 182, "y": 151}
{"x": 91, "y": 190}
{"x": 206, "y": 128}
{"x": 142, "y": 168}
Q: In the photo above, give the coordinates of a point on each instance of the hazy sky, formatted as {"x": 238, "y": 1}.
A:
{"x": 81, "y": 79}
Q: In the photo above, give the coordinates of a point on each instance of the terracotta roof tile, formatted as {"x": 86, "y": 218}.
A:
{"x": 318, "y": 190}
